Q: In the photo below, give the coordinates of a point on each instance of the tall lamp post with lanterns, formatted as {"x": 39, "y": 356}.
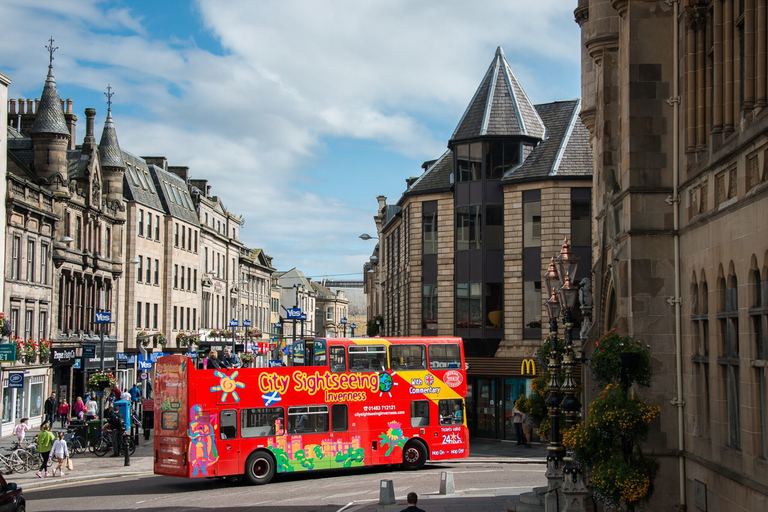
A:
{"x": 562, "y": 299}
{"x": 343, "y": 322}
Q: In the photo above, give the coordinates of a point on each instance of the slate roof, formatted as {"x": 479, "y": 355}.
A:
{"x": 322, "y": 292}
{"x": 437, "y": 177}
{"x": 109, "y": 149}
{"x": 174, "y": 194}
{"x": 50, "y": 116}
{"x": 137, "y": 183}
{"x": 20, "y": 146}
{"x": 77, "y": 164}
{"x": 565, "y": 152}
{"x": 499, "y": 107}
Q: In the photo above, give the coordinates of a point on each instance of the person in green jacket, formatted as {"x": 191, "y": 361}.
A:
{"x": 45, "y": 441}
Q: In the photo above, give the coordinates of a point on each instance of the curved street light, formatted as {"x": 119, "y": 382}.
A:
{"x": 366, "y": 236}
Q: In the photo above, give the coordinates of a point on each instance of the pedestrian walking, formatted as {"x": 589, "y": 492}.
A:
{"x": 20, "y": 430}
{"x": 92, "y": 409}
{"x": 118, "y": 428}
{"x": 49, "y": 409}
{"x": 517, "y": 421}
{"x": 45, "y": 441}
{"x": 413, "y": 499}
{"x": 60, "y": 453}
{"x": 64, "y": 413}
{"x": 79, "y": 408}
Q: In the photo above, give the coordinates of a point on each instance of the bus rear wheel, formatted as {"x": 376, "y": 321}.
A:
{"x": 414, "y": 455}
{"x": 259, "y": 468}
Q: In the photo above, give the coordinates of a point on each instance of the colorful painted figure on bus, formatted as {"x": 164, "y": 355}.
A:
{"x": 394, "y": 437}
{"x": 202, "y": 440}
{"x": 227, "y": 385}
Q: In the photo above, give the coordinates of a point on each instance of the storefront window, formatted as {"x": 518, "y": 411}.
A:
{"x": 7, "y": 401}
{"x": 36, "y": 399}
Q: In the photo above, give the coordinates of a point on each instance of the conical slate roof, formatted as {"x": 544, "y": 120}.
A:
{"x": 109, "y": 149}
{"x": 499, "y": 107}
{"x": 50, "y": 117}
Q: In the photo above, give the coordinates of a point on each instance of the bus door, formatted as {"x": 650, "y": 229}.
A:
{"x": 228, "y": 444}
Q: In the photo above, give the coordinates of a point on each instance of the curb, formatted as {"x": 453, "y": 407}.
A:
{"x": 53, "y": 481}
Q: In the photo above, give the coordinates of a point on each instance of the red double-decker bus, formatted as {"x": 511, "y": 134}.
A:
{"x": 343, "y": 403}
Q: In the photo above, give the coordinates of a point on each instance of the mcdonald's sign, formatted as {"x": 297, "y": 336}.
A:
{"x": 528, "y": 367}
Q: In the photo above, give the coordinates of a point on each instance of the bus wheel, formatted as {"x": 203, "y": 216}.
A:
{"x": 260, "y": 467}
{"x": 414, "y": 455}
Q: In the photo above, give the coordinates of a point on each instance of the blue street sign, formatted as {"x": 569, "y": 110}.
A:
{"x": 16, "y": 380}
{"x": 343, "y": 320}
{"x": 145, "y": 365}
{"x": 233, "y": 323}
{"x": 246, "y": 323}
{"x": 278, "y": 325}
{"x": 103, "y": 317}
{"x": 293, "y": 313}
{"x": 191, "y": 354}
{"x": 353, "y": 326}
{"x": 303, "y": 317}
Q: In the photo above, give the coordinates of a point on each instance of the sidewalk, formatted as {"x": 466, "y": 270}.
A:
{"x": 90, "y": 467}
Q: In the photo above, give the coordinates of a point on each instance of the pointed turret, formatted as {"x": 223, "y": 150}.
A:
{"x": 110, "y": 154}
{"x": 50, "y": 137}
{"x": 499, "y": 107}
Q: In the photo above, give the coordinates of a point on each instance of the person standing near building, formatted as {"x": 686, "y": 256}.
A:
{"x": 64, "y": 413}
{"x": 45, "y": 441}
{"x": 135, "y": 395}
{"x": 517, "y": 421}
{"x": 79, "y": 408}
{"x": 92, "y": 409}
{"x": 49, "y": 409}
{"x": 118, "y": 428}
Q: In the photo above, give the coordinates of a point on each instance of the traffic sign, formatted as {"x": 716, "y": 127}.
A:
{"x": 89, "y": 351}
{"x": 103, "y": 317}
{"x": 293, "y": 313}
{"x": 143, "y": 375}
{"x": 246, "y": 323}
{"x": 233, "y": 323}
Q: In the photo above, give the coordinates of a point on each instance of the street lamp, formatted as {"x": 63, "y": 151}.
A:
{"x": 366, "y": 236}
{"x": 343, "y": 322}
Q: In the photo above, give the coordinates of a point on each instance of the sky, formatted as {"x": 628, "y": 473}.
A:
{"x": 297, "y": 112}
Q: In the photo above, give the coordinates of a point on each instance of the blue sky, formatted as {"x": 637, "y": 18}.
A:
{"x": 298, "y": 112}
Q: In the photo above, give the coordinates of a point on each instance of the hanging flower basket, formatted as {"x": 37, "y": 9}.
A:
{"x": 44, "y": 347}
{"x": 5, "y": 326}
{"x": 161, "y": 339}
{"x": 19, "y": 347}
{"x": 101, "y": 381}
{"x": 247, "y": 358}
{"x": 254, "y": 333}
{"x": 140, "y": 339}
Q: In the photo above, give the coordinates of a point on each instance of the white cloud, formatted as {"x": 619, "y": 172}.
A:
{"x": 293, "y": 73}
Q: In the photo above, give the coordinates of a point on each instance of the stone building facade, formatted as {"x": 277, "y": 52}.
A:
{"x": 674, "y": 97}
{"x": 463, "y": 250}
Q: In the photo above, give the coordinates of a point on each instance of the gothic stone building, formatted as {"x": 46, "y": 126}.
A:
{"x": 462, "y": 252}
{"x": 674, "y": 97}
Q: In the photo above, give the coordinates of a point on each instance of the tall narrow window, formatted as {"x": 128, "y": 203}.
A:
{"x": 30, "y": 261}
{"x": 469, "y": 161}
{"x": 176, "y": 234}
{"x": 175, "y": 318}
{"x": 189, "y": 279}
{"x": 700, "y": 357}
{"x": 430, "y": 233}
{"x": 149, "y": 270}
{"x": 175, "y": 276}
{"x": 149, "y": 225}
{"x": 468, "y": 227}
{"x": 195, "y": 241}
{"x": 141, "y": 222}
{"x": 157, "y": 228}
{"x": 468, "y": 305}
{"x": 42, "y": 326}
{"x": 494, "y": 227}
{"x": 108, "y": 242}
{"x": 729, "y": 360}
{"x": 182, "y": 277}
{"x": 157, "y": 272}
{"x": 154, "y": 316}
{"x": 29, "y": 323}
{"x": 146, "y": 314}
{"x": 141, "y": 271}
{"x": 759, "y": 315}
{"x": 532, "y": 296}
{"x": 44, "y": 263}
{"x": 194, "y": 286}
{"x": 79, "y": 233}
{"x": 16, "y": 258}
{"x": 138, "y": 316}
{"x": 183, "y": 237}
{"x": 429, "y": 306}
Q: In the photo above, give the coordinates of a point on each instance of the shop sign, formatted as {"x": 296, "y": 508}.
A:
{"x": 89, "y": 351}
{"x": 77, "y": 364}
{"x": 7, "y": 352}
{"x": 110, "y": 357}
{"x": 63, "y": 356}
{"x": 16, "y": 380}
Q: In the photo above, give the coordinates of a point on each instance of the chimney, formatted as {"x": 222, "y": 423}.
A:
{"x": 159, "y": 161}
{"x": 12, "y": 115}
{"x": 26, "y": 111}
{"x": 71, "y": 120}
{"x": 90, "y": 138}
{"x": 180, "y": 171}
{"x": 21, "y": 106}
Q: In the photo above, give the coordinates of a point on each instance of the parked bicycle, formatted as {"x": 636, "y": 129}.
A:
{"x": 103, "y": 443}
{"x": 75, "y": 443}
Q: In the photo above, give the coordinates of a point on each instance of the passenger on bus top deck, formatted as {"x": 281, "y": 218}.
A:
{"x": 457, "y": 417}
{"x": 213, "y": 360}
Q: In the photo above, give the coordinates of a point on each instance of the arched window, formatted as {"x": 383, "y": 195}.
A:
{"x": 729, "y": 361}
{"x": 758, "y": 313}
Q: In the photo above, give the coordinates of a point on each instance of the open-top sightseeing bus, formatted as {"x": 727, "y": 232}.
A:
{"x": 344, "y": 403}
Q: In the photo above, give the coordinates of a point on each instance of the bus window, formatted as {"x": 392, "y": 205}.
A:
{"x": 451, "y": 411}
{"x": 338, "y": 358}
{"x": 442, "y": 357}
{"x": 261, "y": 422}
{"x": 320, "y": 356}
{"x": 420, "y": 413}
{"x": 313, "y": 418}
{"x": 367, "y": 358}
{"x": 298, "y": 353}
{"x": 228, "y": 424}
{"x": 408, "y": 357}
{"x": 339, "y": 417}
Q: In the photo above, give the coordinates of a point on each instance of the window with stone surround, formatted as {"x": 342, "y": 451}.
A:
{"x": 141, "y": 222}
{"x": 700, "y": 355}
{"x": 728, "y": 317}
{"x": 30, "y": 260}
{"x": 732, "y": 182}
{"x": 720, "y": 191}
{"x": 140, "y": 275}
{"x": 753, "y": 171}
{"x": 758, "y": 313}
{"x": 430, "y": 232}
{"x": 149, "y": 270}
{"x": 44, "y": 255}
{"x": 429, "y": 306}
{"x": 138, "y": 315}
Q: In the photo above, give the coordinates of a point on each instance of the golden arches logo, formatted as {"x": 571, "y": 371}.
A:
{"x": 528, "y": 367}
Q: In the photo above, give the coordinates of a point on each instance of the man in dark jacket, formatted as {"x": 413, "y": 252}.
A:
{"x": 50, "y": 410}
{"x": 413, "y": 498}
{"x": 118, "y": 427}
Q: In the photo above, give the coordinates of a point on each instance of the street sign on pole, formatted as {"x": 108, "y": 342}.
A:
{"x": 293, "y": 313}
{"x": 103, "y": 317}
{"x": 233, "y": 323}
{"x": 246, "y": 323}
{"x": 89, "y": 351}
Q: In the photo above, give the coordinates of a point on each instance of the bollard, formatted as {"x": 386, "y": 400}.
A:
{"x": 387, "y": 493}
{"x": 446, "y": 483}
{"x": 125, "y": 449}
